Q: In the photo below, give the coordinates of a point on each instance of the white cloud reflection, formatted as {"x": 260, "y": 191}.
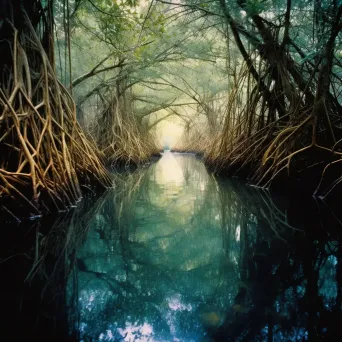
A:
{"x": 137, "y": 333}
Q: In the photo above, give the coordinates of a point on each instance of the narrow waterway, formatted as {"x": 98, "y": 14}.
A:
{"x": 174, "y": 254}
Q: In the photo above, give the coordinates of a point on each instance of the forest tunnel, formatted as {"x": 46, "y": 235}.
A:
{"x": 91, "y": 90}
{"x": 253, "y": 86}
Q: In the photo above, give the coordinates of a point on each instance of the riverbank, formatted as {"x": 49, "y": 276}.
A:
{"x": 318, "y": 181}
{"x": 12, "y": 211}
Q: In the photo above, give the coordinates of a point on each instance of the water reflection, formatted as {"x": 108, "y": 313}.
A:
{"x": 157, "y": 271}
{"x": 36, "y": 260}
{"x": 173, "y": 254}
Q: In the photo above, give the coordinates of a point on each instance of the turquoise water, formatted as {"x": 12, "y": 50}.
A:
{"x": 174, "y": 254}
{"x": 154, "y": 263}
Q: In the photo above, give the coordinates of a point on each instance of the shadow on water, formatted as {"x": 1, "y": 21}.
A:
{"x": 289, "y": 266}
{"x": 173, "y": 254}
{"x": 36, "y": 259}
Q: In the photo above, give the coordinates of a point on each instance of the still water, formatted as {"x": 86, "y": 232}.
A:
{"x": 174, "y": 254}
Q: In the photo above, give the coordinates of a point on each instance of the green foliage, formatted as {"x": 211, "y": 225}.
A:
{"x": 153, "y": 47}
{"x": 253, "y": 7}
{"x": 204, "y": 62}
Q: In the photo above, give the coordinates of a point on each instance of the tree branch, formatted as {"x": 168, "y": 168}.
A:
{"x": 94, "y": 71}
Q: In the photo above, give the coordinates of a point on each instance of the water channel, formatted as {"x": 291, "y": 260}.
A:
{"x": 175, "y": 254}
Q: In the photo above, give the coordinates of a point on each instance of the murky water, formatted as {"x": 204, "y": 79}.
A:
{"x": 173, "y": 254}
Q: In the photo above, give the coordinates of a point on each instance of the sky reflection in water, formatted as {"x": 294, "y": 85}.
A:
{"x": 172, "y": 255}
{"x": 153, "y": 264}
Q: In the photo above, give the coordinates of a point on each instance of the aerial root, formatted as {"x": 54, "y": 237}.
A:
{"x": 47, "y": 155}
{"x": 120, "y": 138}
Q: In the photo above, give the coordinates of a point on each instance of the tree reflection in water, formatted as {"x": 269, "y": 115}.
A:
{"x": 36, "y": 260}
{"x": 289, "y": 268}
{"x": 173, "y": 254}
